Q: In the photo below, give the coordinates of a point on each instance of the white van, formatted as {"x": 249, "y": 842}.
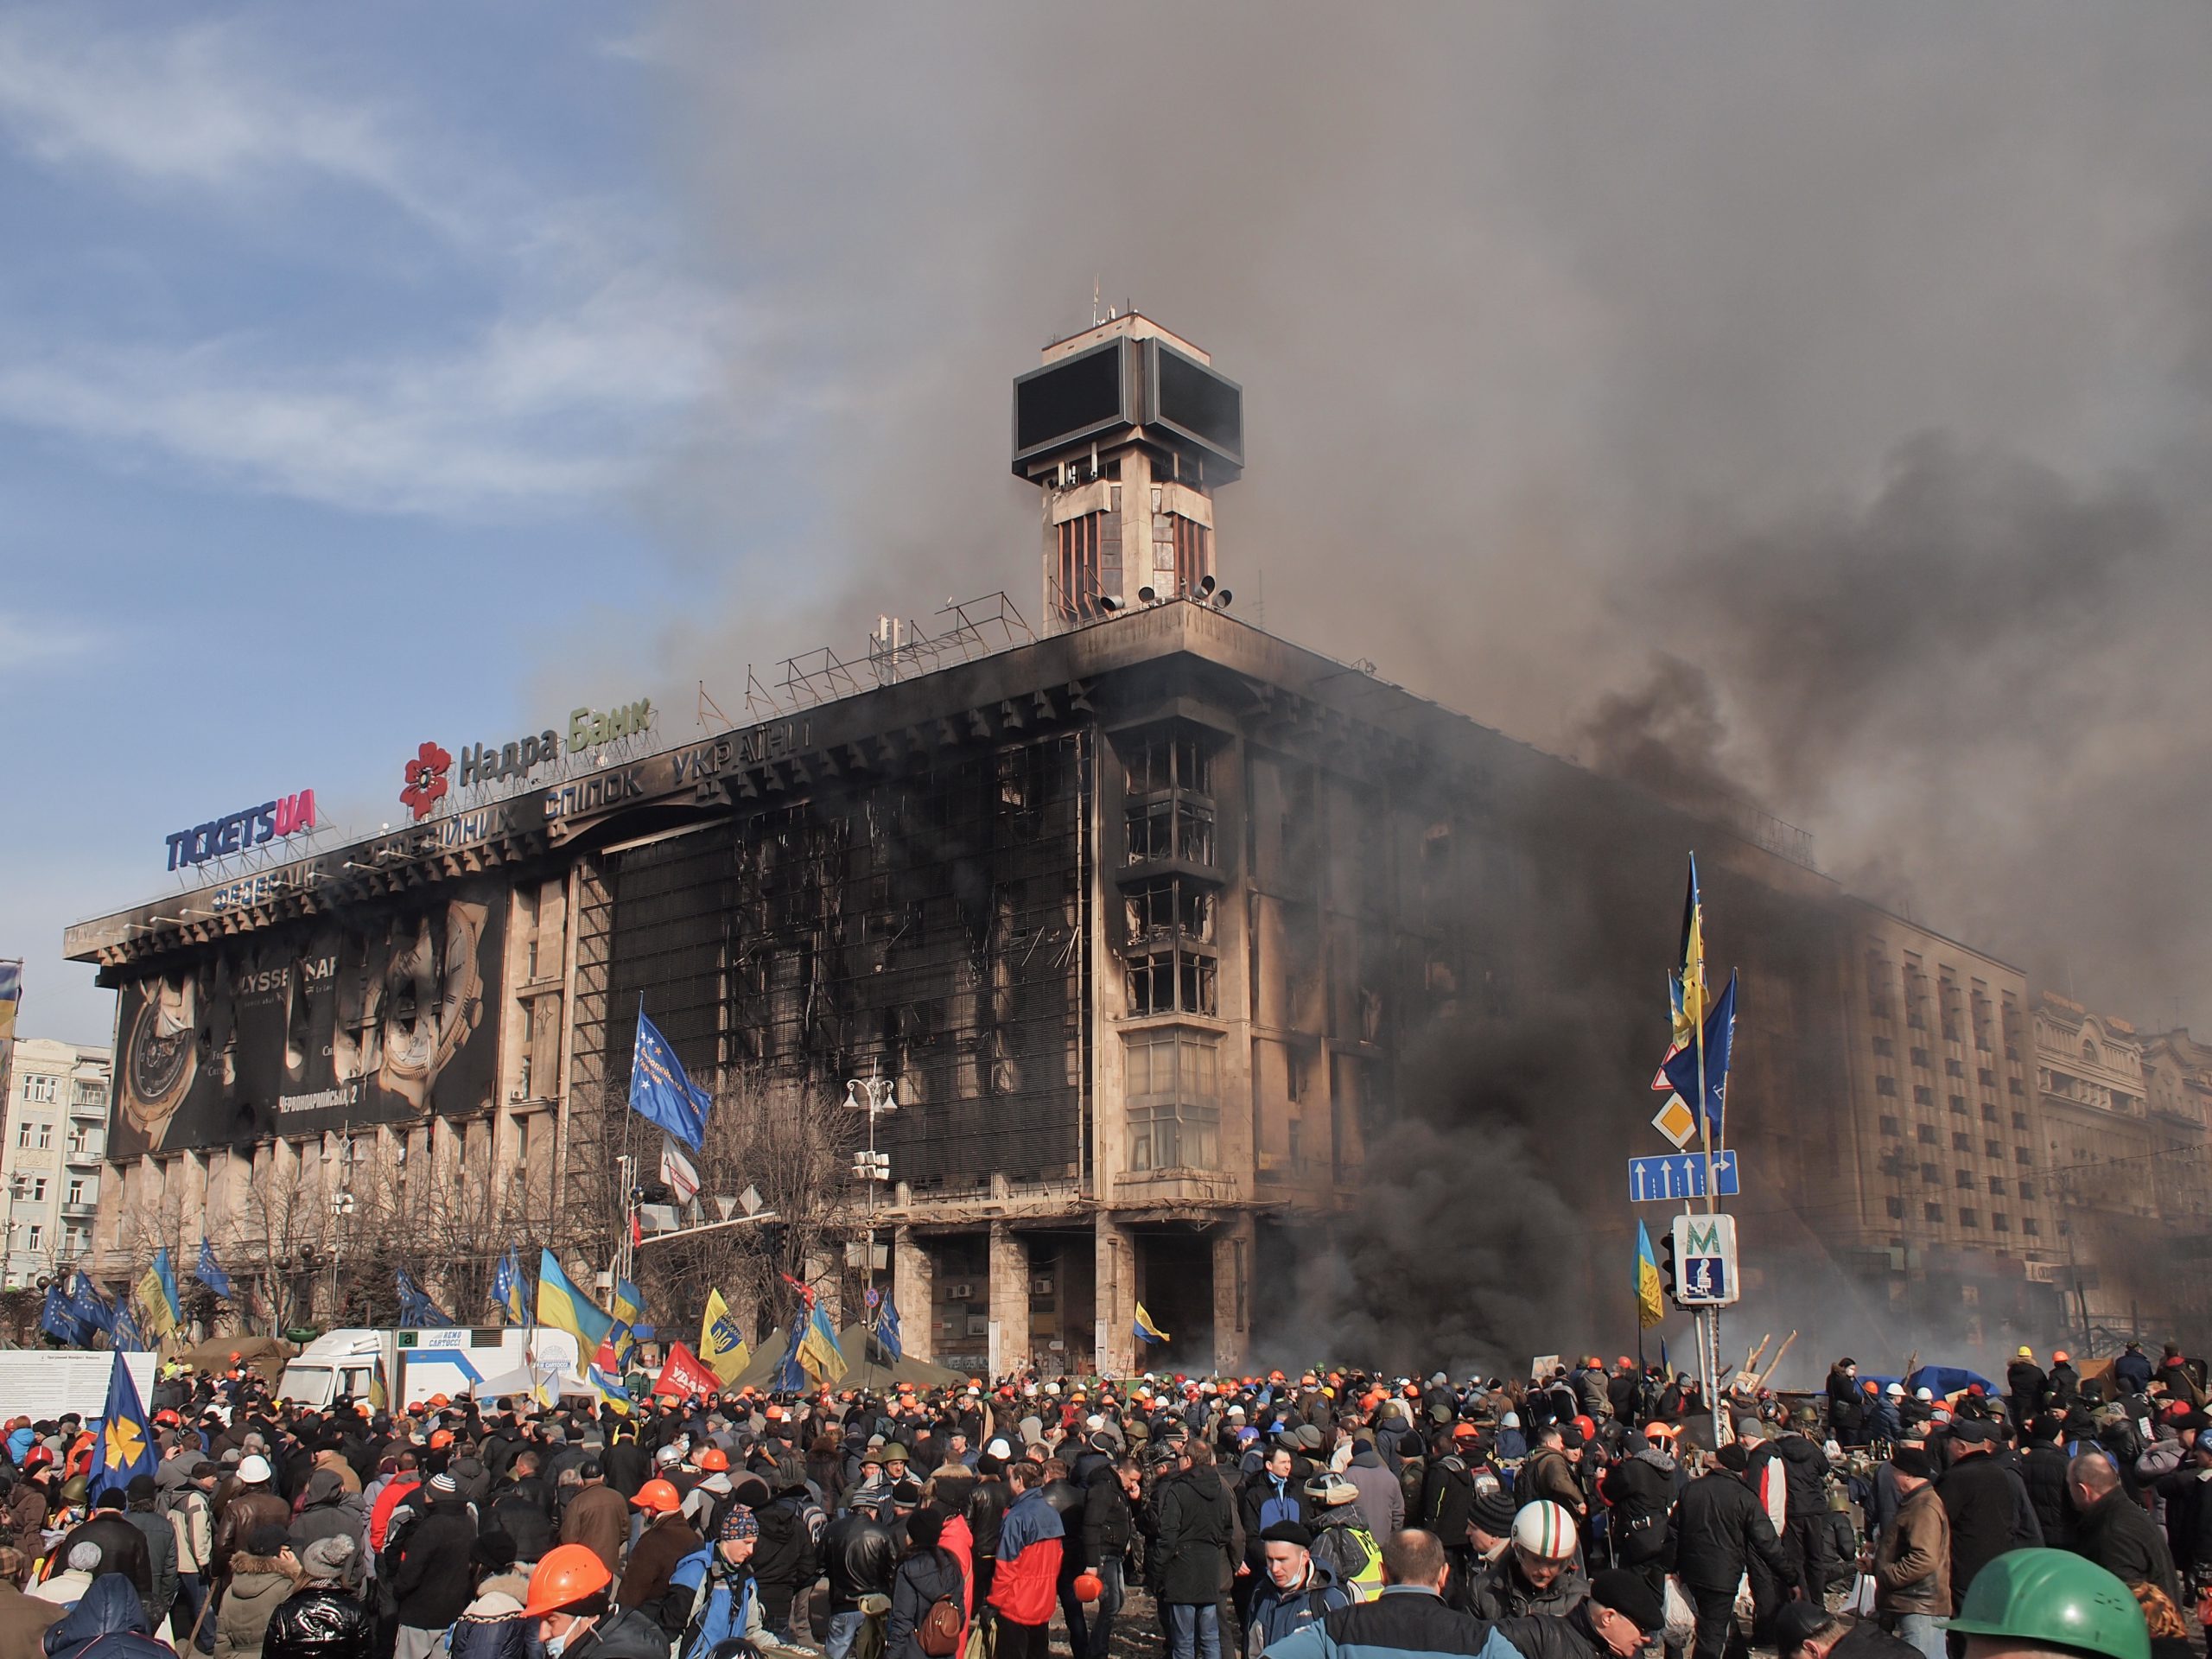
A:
{"x": 486, "y": 1361}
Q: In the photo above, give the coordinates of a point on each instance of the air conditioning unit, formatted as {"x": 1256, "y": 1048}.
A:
{"x": 960, "y": 1293}
{"x": 1041, "y": 1285}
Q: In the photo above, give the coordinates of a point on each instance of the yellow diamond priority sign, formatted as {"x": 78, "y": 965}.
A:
{"x": 1676, "y": 1121}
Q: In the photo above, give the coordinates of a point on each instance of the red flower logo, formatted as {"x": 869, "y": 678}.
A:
{"x": 426, "y": 780}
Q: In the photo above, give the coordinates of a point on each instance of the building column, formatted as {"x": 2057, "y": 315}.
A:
{"x": 913, "y": 1288}
{"x": 1009, "y": 1299}
{"x": 1116, "y": 1298}
{"x": 1232, "y": 1293}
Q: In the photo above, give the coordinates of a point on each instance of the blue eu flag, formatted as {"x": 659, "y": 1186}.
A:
{"x": 662, "y": 1092}
{"x": 58, "y": 1320}
{"x": 210, "y": 1273}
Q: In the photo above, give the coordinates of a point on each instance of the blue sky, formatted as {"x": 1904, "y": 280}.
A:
{"x": 334, "y": 344}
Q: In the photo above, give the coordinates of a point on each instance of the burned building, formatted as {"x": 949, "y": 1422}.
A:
{"x": 1156, "y": 925}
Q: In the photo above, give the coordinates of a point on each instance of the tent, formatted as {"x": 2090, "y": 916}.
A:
{"x": 1938, "y": 1380}
{"x": 266, "y": 1354}
{"x": 866, "y": 1365}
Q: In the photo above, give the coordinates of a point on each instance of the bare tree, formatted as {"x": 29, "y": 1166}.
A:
{"x": 279, "y": 1233}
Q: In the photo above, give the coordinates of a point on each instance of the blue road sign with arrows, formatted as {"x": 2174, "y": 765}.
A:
{"x": 1679, "y": 1175}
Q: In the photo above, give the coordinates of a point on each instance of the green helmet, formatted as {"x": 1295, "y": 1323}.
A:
{"x": 2053, "y": 1598}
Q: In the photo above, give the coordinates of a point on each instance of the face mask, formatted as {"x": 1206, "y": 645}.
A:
{"x": 556, "y": 1645}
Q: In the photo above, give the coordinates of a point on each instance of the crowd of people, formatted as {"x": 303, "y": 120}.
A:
{"x": 1595, "y": 1512}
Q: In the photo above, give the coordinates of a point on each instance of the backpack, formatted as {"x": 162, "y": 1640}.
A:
{"x": 938, "y": 1634}
{"x": 1352, "y": 1554}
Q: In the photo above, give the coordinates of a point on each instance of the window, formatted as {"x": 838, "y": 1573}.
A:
{"x": 1923, "y": 1095}
{"x": 1885, "y": 1086}
{"x": 1926, "y": 1135}
{"x": 1992, "y": 1148}
{"x": 35, "y": 1238}
{"x": 2019, "y": 1120}
{"x": 1988, "y": 1112}
{"x": 1166, "y": 762}
{"x": 1156, "y": 909}
{"x": 23, "y": 1133}
{"x": 2014, "y": 1086}
{"x": 1986, "y": 1077}
{"x": 1890, "y": 1126}
{"x": 1999, "y": 1222}
{"x": 1931, "y": 1176}
{"x": 1962, "y": 1143}
{"x": 1964, "y": 1179}
{"x": 38, "y": 1189}
{"x": 2021, "y": 1154}
{"x": 1173, "y": 1115}
{"x": 42, "y": 1091}
{"x": 1959, "y": 1104}
{"x": 2030, "y": 1226}
{"x": 1168, "y": 981}
{"x": 75, "y": 1241}
{"x": 1954, "y": 1068}
{"x": 1920, "y": 1057}
{"x": 1883, "y": 1045}
{"x": 2027, "y": 1189}
{"x": 76, "y": 1191}
{"x": 1896, "y": 1207}
{"x": 1933, "y": 1212}
{"x": 1997, "y": 1185}
{"x": 1170, "y": 829}
{"x": 1969, "y": 1218}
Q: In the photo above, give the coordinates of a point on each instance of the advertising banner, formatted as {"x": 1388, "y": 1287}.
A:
{"x": 379, "y": 1020}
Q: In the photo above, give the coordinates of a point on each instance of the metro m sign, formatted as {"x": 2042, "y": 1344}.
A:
{"x": 1705, "y": 1260}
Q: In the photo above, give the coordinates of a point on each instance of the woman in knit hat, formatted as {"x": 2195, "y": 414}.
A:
{"x": 713, "y": 1596}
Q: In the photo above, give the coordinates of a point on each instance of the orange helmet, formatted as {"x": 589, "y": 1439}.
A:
{"x": 440, "y": 1438}
{"x": 439, "y": 1401}
{"x": 2058, "y": 1356}
{"x": 657, "y": 1496}
{"x": 569, "y": 1573}
{"x": 714, "y": 1460}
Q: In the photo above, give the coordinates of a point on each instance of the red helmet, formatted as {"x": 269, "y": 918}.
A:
{"x": 714, "y": 1460}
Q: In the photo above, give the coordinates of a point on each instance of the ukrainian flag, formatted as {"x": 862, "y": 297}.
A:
{"x": 1145, "y": 1330}
{"x": 1650, "y": 1307}
{"x": 157, "y": 1296}
{"x": 819, "y": 1355}
{"x": 564, "y": 1307}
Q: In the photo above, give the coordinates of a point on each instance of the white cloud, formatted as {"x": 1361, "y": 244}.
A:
{"x": 27, "y": 641}
{"x": 195, "y": 107}
{"x": 552, "y": 389}
{"x": 543, "y": 409}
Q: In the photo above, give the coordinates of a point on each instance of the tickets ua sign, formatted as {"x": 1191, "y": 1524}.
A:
{"x": 218, "y": 837}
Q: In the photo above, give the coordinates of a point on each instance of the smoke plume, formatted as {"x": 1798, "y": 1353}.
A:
{"x": 1805, "y": 405}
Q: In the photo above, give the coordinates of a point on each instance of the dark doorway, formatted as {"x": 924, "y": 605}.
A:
{"x": 1175, "y": 1284}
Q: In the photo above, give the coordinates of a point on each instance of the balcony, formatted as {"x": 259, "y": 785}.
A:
{"x": 84, "y": 1210}
{"x": 91, "y": 1107}
{"x": 82, "y": 1155}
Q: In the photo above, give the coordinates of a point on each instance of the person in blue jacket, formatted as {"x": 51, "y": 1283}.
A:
{"x": 717, "y": 1584}
{"x": 1409, "y": 1616}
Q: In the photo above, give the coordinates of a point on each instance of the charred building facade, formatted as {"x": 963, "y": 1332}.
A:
{"x": 1155, "y": 925}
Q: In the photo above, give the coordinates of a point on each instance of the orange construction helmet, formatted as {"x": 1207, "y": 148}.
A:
{"x": 440, "y": 1438}
{"x": 659, "y": 1496}
{"x": 714, "y": 1460}
{"x": 569, "y": 1573}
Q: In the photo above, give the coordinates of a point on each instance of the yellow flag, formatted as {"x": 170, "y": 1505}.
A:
{"x": 721, "y": 1344}
{"x": 153, "y": 1298}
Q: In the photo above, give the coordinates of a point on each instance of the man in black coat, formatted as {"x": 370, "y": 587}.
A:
{"x": 1195, "y": 1545}
{"x": 860, "y": 1555}
{"x": 2116, "y": 1531}
{"x": 1988, "y": 1505}
{"x": 1805, "y": 1471}
{"x": 2026, "y": 1388}
{"x": 430, "y": 1573}
{"x": 2043, "y": 1472}
{"x": 1719, "y": 1528}
{"x": 122, "y": 1546}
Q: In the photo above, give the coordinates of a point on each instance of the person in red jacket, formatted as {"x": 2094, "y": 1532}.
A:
{"x": 1025, "y": 1587}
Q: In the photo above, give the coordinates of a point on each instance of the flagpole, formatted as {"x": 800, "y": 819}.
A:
{"x": 1708, "y": 1319}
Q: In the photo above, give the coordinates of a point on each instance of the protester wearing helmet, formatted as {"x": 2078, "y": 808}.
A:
{"x": 2050, "y": 1601}
{"x": 1538, "y": 1573}
{"x": 667, "y": 1539}
{"x": 1343, "y": 1541}
{"x": 569, "y": 1603}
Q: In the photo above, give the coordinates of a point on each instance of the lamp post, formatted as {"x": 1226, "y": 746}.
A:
{"x": 872, "y": 1095}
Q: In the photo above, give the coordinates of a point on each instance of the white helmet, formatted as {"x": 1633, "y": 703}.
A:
{"x": 253, "y": 1468}
{"x": 1545, "y": 1530}
{"x": 1923, "y": 1393}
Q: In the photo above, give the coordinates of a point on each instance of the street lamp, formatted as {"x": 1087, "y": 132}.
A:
{"x": 872, "y": 1095}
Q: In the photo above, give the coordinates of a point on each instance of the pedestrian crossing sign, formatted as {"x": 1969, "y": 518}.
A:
{"x": 1676, "y": 1121}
